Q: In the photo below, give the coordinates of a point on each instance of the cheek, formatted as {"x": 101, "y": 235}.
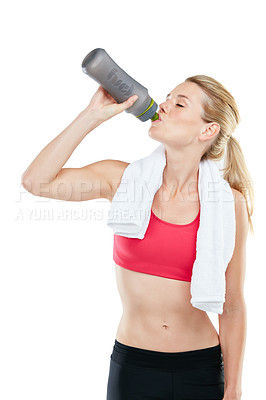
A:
{"x": 186, "y": 121}
{"x": 181, "y": 121}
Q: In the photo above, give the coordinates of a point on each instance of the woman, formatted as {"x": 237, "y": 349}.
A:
{"x": 164, "y": 347}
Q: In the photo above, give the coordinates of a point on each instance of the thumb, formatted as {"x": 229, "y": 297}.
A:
{"x": 129, "y": 102}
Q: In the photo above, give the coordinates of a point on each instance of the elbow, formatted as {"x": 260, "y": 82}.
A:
{"x": 26, "y": 182}
{"x": 232, "y": 308}
{"x": 32, "y": 186}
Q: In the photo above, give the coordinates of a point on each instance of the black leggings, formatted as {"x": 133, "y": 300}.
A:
{"x": 138, "y": 374}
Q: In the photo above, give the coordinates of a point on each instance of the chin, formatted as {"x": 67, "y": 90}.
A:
{"x": 152, "y": 135}
{"x": 156, "y": 135}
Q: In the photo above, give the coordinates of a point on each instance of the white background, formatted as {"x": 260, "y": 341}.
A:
{"x": 59, "y": 304}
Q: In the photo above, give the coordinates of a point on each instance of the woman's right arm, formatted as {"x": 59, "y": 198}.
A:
{"x": 46, "y": 176}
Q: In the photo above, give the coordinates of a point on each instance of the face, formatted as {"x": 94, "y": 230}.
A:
{"x": 181, "y": 122}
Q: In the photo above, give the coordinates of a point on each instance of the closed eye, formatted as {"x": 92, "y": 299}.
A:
{"x": 180, "y": 105}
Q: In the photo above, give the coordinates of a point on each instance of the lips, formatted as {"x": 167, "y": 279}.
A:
{"x": 157, "y": 120}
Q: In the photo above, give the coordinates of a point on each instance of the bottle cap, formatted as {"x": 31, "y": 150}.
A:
{"x": 156, "y": 116}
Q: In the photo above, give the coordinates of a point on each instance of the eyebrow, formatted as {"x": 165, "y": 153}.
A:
{"x": 180, "y": 95}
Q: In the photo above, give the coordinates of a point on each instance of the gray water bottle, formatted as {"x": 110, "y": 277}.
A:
{"x": 102, "y": 68}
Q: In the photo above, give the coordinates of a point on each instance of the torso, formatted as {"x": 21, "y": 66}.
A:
{"x": 157, "y": 313}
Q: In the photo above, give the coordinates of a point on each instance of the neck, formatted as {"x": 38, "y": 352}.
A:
{"x": 180, "y": 175}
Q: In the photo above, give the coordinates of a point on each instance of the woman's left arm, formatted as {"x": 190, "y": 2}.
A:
{"x": 233, "y": 321}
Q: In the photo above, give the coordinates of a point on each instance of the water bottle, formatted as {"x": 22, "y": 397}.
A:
{"x": 102, "y": 68}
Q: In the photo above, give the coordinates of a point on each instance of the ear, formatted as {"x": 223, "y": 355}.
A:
{"x": 210, "y": 131}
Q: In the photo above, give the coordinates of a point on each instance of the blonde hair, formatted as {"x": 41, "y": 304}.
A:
{"x": 220, "y": 106}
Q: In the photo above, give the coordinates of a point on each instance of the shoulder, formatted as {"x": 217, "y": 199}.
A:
{"x": 241, "y": 215}
{"x": 240, "y": 203}
{"x": 238, "y": 196}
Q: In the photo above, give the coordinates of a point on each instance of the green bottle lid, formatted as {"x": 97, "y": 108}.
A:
{"x": 156, "y": 116}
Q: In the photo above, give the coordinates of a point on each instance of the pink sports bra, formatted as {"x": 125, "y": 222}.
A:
{"x": 167, "y": 250}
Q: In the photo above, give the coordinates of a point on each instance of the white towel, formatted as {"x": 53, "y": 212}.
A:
{"x": 130, "y": 210}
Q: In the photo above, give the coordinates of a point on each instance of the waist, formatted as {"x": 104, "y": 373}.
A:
{"x": 138, "y": 357}
{"x": 159, "y": 333}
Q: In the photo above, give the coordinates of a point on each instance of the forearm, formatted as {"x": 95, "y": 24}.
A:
{"x": 51, "y": 159}
{"x": 232, "y": 332}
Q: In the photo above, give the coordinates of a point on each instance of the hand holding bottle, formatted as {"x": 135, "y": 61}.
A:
{"x": 104, "y": 106}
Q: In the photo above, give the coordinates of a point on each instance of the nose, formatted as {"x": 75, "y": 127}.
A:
{"x": 163, "y": 107}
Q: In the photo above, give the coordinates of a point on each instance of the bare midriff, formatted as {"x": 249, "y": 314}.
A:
{"x": 157, "y": 314}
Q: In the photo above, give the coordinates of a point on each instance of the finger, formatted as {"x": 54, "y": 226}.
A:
{"x": 128, "y": 103}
